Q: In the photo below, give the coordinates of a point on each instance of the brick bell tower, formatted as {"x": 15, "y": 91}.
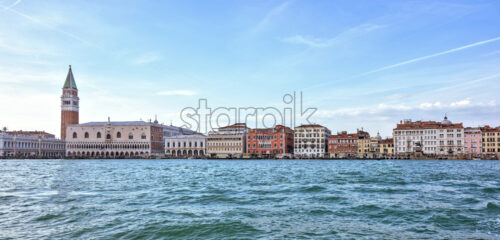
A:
{"x": 69, "y": 103}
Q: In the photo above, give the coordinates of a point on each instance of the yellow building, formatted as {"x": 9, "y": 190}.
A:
{"x": 386, "y": 148}
{"x": 368, "y": 147}
{"x": 490, "y": 142}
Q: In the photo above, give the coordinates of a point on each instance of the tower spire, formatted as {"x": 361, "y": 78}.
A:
{"x": 69, "y": 103}
{"x": 70, "y": 80}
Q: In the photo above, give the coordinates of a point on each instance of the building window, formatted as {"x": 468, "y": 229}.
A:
{"x": 108, "y": 136}
{"x": 143, "y": 136}
{"x": 130, "y": 136}
{"x": 118, "y": 135}
{"x": 98, "y": 134}
{"x": 74, "y": 135}
{"x": 86, "y": 135}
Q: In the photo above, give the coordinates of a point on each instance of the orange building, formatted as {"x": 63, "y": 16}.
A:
{"x": 270, "y": 141}
{"x": 345, "y": 145}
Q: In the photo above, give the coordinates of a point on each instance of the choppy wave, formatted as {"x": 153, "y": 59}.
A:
{"x": 207, "y": 199}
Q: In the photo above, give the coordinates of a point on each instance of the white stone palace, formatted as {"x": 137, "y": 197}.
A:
{"x": 114, "y": 139}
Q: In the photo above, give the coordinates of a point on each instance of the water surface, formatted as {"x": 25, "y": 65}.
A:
{"x": 247, "y": 199}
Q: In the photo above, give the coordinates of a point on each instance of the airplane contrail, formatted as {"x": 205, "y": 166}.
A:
{"x": 9, "y": 8}
{"x": 13, "y": 4}
{"x": 411, "y": 61}
{"x": 432, "y": 55}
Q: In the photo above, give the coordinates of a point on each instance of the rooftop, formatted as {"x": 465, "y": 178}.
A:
{"x": 236, "y": 125}
{"x": 407, "y": 125}
{"x": 277, "y": 128}
{"x": 309, "y": 125}
{"x": 70, "y": 80}
{"x": 187, "y": 136}
{"x": 117, "y": 123}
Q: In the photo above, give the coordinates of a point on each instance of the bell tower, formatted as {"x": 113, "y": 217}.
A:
{"x": 69, "y": 103}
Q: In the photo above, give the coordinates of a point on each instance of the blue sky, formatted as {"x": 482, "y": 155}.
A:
{"x": 361, "y": 63}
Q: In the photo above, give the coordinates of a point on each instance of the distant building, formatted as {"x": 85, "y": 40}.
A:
{"x": 193, "y": 145}
{"x": 429, "y": 137}
{"x": 311, "y": 140}
{"x": 473, "y": 141}
{"x": 368, "y": 147}
{"x": 171, "y": 131}
{"x": 386, "y": 148}
{"x": 270, "y": 142}
{"x": 344, "y": 145}
{"x": 69, "y": 103}
{"x": 30, "y": 144}
{"x": 490, "y": 141}
{"x": 226, "y": 142}
{"x": 114, "y": 139}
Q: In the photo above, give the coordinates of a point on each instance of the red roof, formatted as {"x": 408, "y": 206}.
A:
{"x": 236, "y": 125}
{"x": 309, "y": 125}
{"x": 490, "y": 129}
{"x": 277, "y": 128}
{"x": 426, "y": 125}
{"x": 385, "y": 141}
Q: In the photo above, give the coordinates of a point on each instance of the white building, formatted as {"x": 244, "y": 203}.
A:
{"x": 186, "y": 145}
{"x": 32, "y": 144}
{"x": 114, "y": 139}
{"x": 311, "y": 140}
{"x": 229, "y": 141}
{"x": 170, "y": 131}
{"x": 429, "y": 138}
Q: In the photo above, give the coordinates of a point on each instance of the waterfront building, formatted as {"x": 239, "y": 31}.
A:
{"x": 30, "y": 144}
{"x": 386, "y": 148}
{"x": 311, "y": 140}
{"x": 171, "y": 131}
{"x": 193, "y": 145}
{"x": 270, "y": 142}
{"x": 490, "y": 142}
{"x": 429, "y": 138}
{"x": 228, "y": 141}
{"x": 69, "y": 103}
{"x": 368, "y": 147}
{"x": 472, "y": 141}
{"x": 114, "y": 139}
{"x": 344, "y": 145}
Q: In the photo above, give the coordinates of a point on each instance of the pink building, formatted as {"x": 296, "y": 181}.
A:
{"x": 472, "y": 141}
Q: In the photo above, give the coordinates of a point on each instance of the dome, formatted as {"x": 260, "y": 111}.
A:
{"x": 445, "y": 120}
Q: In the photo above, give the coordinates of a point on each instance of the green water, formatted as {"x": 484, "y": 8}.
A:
{"x": 249, "y": 199}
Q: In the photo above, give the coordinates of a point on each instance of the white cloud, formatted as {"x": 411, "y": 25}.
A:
{"x": 146, "y": 58}
{"x": 314, "y": 42}
{"x": 384, "y": 108}
{"x": 177, "y": 93}
{"x": 309, "y": 41}
{"x": 462, "y": 103}
{"x": 266, "y": 20}
{"x": 427, "y": 105}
